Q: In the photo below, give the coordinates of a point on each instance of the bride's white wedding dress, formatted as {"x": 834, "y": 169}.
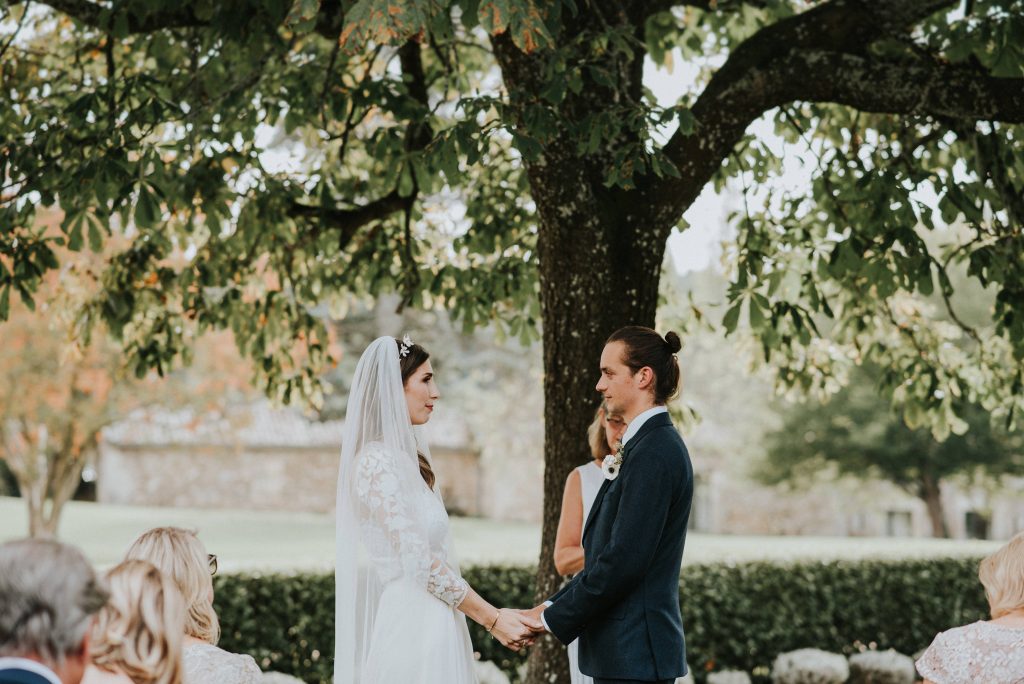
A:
{"x": 396, "y": 577}
{"x": 434, "y": 647}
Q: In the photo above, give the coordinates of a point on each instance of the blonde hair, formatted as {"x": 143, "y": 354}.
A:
{"x": 182, "y": 557}
{"x": 1002, "y": 575}
{"x": 597, "y": 436}
{"x": 140, "y": 630}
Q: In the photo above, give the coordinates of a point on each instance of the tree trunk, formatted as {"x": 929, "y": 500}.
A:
{"x": 589, "y": 289}
{"x": 47, "y": 480}
{"x": 600, "y": 252}
{"x": 930, "y": 492}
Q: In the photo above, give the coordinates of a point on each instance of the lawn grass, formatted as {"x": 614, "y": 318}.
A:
{"x": 268, "y": 540}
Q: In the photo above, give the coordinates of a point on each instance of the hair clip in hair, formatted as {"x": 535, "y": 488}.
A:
{"x": 404, "y": 346}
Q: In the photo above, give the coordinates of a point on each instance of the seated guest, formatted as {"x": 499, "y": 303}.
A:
{"x": 990, "y": 651}
{"x": 182, "y": 557}
{"x": 138, "y": 634}
{"x": 48, "y": 595}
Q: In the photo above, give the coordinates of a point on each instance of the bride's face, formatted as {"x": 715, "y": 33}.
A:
{"x": 421, "y": 393}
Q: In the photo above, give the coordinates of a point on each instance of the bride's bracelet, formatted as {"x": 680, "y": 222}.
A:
{"x": 496, "y": 616}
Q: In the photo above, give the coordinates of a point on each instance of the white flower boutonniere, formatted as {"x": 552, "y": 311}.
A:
{"x": 612, "y": 463}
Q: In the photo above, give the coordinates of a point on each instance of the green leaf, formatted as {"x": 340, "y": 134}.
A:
{"x": 302, "y": 17}
{"x": 687, "y": 122}
{"x": 95, "y": 233}
{"x": 732, "y": 317}
{"x": 448, "y": 160}
{"x": 5, "y": 302}
{"x": 494, "y": 16}
{"x": 75, "y": 232}
{"x": 756, "y": 314}
{"x": 147, "y": 209}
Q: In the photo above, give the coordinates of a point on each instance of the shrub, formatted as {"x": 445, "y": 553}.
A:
{"x": 728, "y": 677}
{"x": 736, "y": 616}
{"x": 810, "y": 666}
{"x": 740, "y": 616}
{"x": 489, "y": 673}
{"x": 881, "y": 667}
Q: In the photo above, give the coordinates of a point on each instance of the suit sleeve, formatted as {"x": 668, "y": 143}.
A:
{"x": 648, "y": 491}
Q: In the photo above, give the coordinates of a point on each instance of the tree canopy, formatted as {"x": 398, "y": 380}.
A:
{"x": 507, "y": 160}
{"x": 409, "y": 123}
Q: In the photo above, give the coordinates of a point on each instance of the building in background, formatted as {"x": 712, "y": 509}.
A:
{"x": 257, "y": 457}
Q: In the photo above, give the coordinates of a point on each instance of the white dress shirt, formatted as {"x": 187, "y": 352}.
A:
{"x": 638, "y": 422}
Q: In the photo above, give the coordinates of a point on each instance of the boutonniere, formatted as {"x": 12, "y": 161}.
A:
{"x": 612, "y": 463}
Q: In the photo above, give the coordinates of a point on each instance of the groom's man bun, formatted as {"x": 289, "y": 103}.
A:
{"x": 645, "y": 347}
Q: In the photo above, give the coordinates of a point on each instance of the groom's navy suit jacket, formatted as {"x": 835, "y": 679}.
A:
{"x": 624, "y": 604}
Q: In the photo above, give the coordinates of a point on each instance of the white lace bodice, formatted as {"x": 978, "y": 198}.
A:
{"x": 978, "y": 652}
{"x": 405, "y": 539}
{"x": 207, "y": 664}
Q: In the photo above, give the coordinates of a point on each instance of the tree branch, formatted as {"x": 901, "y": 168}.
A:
{"x": 935, "y": 89}
{"x": 91, "y": 14}
{"x": 328, "y": 21}
{"x": 821, "y": 56}
{"x": 419, "y": 134}
{"x": 347, "y": 222}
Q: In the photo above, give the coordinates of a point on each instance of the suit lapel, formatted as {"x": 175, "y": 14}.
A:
{"x": 659, "y": 420}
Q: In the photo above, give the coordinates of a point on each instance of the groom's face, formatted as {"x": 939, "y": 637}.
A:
{"x": 618, "y": 383}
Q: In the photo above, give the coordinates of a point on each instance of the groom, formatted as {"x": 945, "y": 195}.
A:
{"x": 624, "y": 605}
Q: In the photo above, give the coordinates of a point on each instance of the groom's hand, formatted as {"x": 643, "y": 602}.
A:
{"x": 513, "y": 629}
{"x": 531, "y": 619}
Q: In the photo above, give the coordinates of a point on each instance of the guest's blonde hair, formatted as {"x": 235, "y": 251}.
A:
{"x": 182, "y": 557}
{"x": 1002, "y": 575}
{"x": 140, "y": 630}
{"x": 597, "y": 436}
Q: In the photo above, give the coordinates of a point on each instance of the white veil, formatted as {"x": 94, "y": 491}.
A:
{"x": 368, "y": 554}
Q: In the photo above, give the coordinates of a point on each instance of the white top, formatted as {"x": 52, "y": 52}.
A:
{"x": 31, "y": 666}
{"x": 591, "y": 479}
{"x": 207, "y": 664}
{"x": 978, "y": 652}
{"x": 635, "y": 424}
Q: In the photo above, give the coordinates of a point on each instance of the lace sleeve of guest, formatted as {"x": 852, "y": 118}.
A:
{"x": 933, "y": 663}
{"x": 208, "y": 664}
{"x": 394, "y": 533}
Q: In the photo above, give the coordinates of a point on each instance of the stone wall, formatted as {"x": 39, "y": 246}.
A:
{"x": 297, "y": 479}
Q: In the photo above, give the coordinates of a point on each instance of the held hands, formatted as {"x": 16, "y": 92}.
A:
{"x": 516, "y": 629}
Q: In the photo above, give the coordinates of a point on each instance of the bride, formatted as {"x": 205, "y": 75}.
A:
{"x": 401, "y": 602}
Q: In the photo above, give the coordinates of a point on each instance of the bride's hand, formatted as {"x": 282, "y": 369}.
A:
{"x": 513, "y": 630}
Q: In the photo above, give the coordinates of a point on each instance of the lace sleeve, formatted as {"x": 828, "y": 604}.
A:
{"x": 445, "y": 583}
{"x": 206, "y": 664}
{"x": 932, "y": 663}
{"x": 394, "y": 537}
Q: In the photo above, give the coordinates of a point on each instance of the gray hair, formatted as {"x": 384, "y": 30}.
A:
{"x": 48, "y": 594}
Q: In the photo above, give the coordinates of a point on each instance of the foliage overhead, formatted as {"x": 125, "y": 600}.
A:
{"x": 264, "y": 159}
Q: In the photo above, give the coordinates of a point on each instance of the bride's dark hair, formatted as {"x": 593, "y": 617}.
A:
{"x": 415, "y": 357}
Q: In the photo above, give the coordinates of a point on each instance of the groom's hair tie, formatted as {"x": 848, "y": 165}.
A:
{"x": 645, "y": 347}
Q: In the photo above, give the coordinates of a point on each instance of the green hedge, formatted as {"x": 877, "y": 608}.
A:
{"x": 736, "y": 616}
{"x": 742, "y": 616}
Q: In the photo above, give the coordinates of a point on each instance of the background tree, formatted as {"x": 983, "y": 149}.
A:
{"x": 57, "y": 395}
{"x": 54, "y": 400}
{"x": 561, "y": 173}
{"x": 856, "y": 434}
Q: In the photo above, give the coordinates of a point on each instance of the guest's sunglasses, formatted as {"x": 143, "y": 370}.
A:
{"x": 212, "y": 560}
